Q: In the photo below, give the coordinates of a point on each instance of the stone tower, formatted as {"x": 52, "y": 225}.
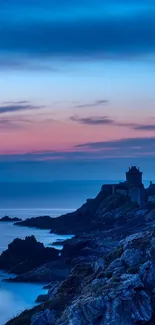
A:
{"x": 134, "y": 177}
{"x": 136, "y": 190}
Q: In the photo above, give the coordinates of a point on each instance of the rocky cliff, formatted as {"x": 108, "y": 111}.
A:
{"x": 112, "y": 267}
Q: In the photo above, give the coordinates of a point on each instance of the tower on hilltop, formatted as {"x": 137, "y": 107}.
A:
{"x": 134, "y": 177}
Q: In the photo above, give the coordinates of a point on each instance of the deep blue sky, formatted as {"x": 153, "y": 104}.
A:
{"x": 77, "y": 96}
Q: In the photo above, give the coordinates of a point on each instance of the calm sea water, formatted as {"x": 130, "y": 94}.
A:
{"x": 55, "y": 195}
{"x": 15, "y": 297}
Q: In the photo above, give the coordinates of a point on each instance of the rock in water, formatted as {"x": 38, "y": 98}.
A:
{"x": 8, "y": 219}
{"x": 23, "y": 255}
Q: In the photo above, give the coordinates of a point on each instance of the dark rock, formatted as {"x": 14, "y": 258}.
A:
{"x": 44, "y": 222}
{"x": 115, "y": 264}
{"x": 42, "y": 298}
{"x": 147, "y": 274}
{"x": 99, "y": 265}
{"x": 53, "y": 271}
{"x": 130, "y": 241}
{"x": 75, "y": 247}
{"x": 59, "y": 242}
{"x": 113, "y": 258}
{"x": 25, "y": 255}
{"x": 47, "y": 286}
{"x": 70, "y": 223}
{"x": 125, "y": 304}
{"x": 8, "y": 219}
{"x": 53, "y": 289}
{"x": 95, "y": 294}
{"x": 44, "y": 317}
{"x": 105, "y": 212}
{"x": 132, "y": 257}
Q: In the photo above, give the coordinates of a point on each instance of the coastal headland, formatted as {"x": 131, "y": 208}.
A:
{"x": 104, "y": 275}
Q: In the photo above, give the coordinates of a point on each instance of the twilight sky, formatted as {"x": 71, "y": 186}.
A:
{"x": 77, "y": 88}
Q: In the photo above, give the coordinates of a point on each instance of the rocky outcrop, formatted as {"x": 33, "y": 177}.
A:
{"x": 42, "y": 298}
{"x": 123, "y": 303}
{"x": 102, "y": 295}
{"x": 103, "y": 213}
{"x": 70, "y": 223}
{"x": 111, "y": 265}
{"x": 44, "y": 317}
{"x": 58, "y": 242}
{"x": 44, "y": 222}
{"x": 53, "y": 288}
{"x": 8, "y": 219}
{"x": 115, "y": 289}
{"x": 54, "y": 271}
{"x": 26, "y": 254}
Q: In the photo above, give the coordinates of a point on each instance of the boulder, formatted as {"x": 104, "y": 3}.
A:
{"x": 136, "y": 236}
{"x": 131, "y": 257}
{"x": 147, "y": 274}
{"x": 131, "y": 280}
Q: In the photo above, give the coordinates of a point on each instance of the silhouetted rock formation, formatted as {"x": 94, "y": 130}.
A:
{"x": 54, "y": 271}
{"x": 8, "y": 219}
{"x": 23, "y": 255}
{"x": 44, "y": 222}
{"x": 75, "y": 222}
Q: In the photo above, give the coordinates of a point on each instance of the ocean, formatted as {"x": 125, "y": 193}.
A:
{"x": 26, "y": 200}
{"x": 55, "y": 195}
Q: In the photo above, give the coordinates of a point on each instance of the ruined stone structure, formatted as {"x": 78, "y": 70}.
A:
{"x": 132, "y": 187}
